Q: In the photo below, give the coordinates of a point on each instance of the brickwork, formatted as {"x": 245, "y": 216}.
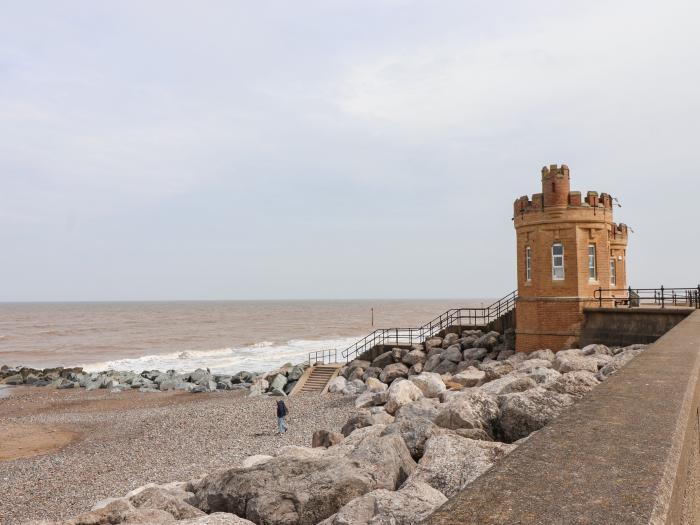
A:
{"x": 549, "y": 310}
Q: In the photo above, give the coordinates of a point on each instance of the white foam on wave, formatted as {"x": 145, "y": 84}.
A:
{"x": 257, "y": 357}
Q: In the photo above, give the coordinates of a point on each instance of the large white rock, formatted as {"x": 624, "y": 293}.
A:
{"x": 575, "y": 383}
{"x": 542, "y": 354}
{"x": 429, "y": 383}
{"x": 451, "y": 462}
{"x": 254, "y": 460}
{"x": 469, "y": 377}
{"x": 533, "y": 363}
{"x": 401, "y": 393}
{"x": 375, "y": 385}
{"x": 513, "y": 382}
{"x": 571, "y": 362}
{"x": 524, "y": 412}
{"x": 337, "y": 384}
{"x": 471, "y": 409}
{"x": 411, "y": 504}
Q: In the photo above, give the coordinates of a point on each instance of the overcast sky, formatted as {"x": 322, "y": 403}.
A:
{"x": 330, "y": 149}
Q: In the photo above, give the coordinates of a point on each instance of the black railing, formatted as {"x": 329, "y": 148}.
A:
{"x": 328, "y": 355}
{"x": 474, "y": 317}
{"x": 659, "y": 297}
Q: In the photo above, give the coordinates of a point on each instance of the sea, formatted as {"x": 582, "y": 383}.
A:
{"x": 224, "y": 336}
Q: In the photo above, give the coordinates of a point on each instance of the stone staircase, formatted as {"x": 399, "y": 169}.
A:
{"x": 316, "y": 378}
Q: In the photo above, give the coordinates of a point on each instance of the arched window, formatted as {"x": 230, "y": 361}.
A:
{"x": 557, "y": 261}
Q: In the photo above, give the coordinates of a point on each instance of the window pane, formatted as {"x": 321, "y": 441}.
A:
{"x": 558, "y": 249}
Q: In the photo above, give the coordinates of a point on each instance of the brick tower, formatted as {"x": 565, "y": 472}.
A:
{"x": 568, "y": 247}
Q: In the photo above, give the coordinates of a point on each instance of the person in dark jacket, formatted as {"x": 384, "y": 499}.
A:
{"x": 281, "y": 414}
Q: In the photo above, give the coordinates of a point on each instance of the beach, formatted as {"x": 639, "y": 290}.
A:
{"x": 61, "y": 451}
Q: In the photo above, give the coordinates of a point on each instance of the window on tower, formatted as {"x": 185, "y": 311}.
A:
{"x": 613, "y": 272}
{"x": 528, "y": 264}
{"x": 558, "y": 261}
{"x": 592, "y": 273}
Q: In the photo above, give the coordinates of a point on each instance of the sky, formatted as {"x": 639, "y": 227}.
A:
{"x": 171, "y": 150}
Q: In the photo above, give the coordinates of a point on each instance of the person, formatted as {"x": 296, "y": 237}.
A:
{"x": 281, "y": 414}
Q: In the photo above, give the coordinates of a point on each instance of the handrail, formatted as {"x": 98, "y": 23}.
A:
{"x": 407, "y": 336}
{"x": 327, "y": 355}
{"x": 659, "y": 297}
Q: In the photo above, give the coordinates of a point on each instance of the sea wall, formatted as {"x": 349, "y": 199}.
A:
{"x": 628, "y": 453}
{"x": 626, "y": 326}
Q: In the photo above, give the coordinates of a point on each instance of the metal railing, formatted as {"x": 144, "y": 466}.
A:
{"x": 327, "y": 355}
{"x": 638, "y": 297}
{"x": 476, "y": 317}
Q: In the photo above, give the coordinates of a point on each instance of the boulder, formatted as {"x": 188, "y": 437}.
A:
{"x": 279, "y": 382}
{"x": 354, "y": 387}
{"x": 357, "y": 373}
{"x": 392, "y": 372}
{"x": 429, "y": 383}
{"x": 371, "y": 372}
{"x": 617, "y": 362}
{"x": 375, "y": 385}
{"x": 541, "y": 354}
{"x": 401, "y": 393}
{"x": 289, "y": 387}
{"x": 172, "y": 502}
{"x": 525, "y": 412}
{"x": 542, "y": 376}
{"x": 596, "y": 349}
{"x": 468, "y": 341}
{"x": 474, "y": 354}
{"x": 445, "y": 367}
{"x": 258, "y": 387}
{"x": 217, "y": 518}
{"x": 337, "y": 384}
{"x": 505, "y": 354}
{"x": 411, "y": 504}
{"x": 575, "y": 383}
{"x": 255, "y": 460}
{"x": 295, "y": 373}
{"x": 533, "y": 363}
{"x": 416, "y": 369}
{"x": 453, "y": 353}
{"x": 488, "y": 341}
{"x": 496, "y": 369}
{"x": 15, "y": 379}
{"x": 570, "y": 363}
{"x": 120, "y": 511}
{"x": 414, "y": 357}
{"x": 449, "y": 339}
{"x": 325, "y": 439}
{"x": 368, "y": 399}
{"x": 433, "y": 342}
{"x": 432, "y": 362}
{"x": 473, "y": 433}
{"x": 199, "y": 375}
{"x": 352, "y": 365}
{"x": 383, "y": 360}
{"x": 305, "y": 491}
{"x": 469, "y": 377}
{"x": 451, "y": 462}
{"x": 469, "y": 409}
{"x": 424, "y": 408}
{"x": 414, "y": 432}
{"x": 380, "y": 416}
{"x": 361, "y": 419}
{"x": 398, "y": 353}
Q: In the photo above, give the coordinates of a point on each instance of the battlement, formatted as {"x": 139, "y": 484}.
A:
{"x": 618, "y": 232}
{"x": 556, "y": 193}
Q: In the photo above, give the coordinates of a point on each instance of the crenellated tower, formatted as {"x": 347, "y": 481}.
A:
{"x": 568, "y": 247}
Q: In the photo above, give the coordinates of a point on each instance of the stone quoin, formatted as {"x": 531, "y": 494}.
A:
{"x": 567, "y": 247}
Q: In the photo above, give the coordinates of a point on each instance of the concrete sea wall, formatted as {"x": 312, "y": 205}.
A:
{"x": 628, "y": 453}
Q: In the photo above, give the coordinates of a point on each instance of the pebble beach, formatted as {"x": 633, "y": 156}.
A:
{"x": 62, "y": 450}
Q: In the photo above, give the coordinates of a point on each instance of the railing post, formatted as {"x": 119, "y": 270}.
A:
{"x": 600, "y": 297}
{"x": 697, "y": 297}
{"x": 629, "y": 297}
{"x": 662, "y": 296}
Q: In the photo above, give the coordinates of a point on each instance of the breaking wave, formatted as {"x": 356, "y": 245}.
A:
{"x": 257, "y": 357}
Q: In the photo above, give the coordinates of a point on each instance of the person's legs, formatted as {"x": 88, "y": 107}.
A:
{"x": 284, "y": 423}
{"x": 280, "y": 424}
